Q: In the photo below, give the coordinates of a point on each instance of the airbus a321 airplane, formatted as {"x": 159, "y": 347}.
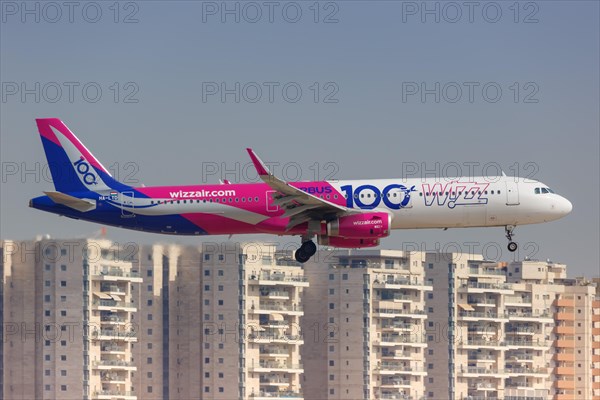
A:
{"x": 349, "y": 214}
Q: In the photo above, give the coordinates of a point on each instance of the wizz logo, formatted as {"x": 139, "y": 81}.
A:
{"x": 83, "y": 169}
{"x": 455, "y": 193}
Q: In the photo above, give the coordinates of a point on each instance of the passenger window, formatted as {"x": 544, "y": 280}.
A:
{"x": 256, "y": 199}
{"x": 492, "y": 192}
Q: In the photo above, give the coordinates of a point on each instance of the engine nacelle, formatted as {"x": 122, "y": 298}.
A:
{"x": 347, "y": 243}
{"x": 361, "y": 226}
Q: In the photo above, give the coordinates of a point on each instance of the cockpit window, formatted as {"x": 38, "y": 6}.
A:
{"x": 543, "y": 190}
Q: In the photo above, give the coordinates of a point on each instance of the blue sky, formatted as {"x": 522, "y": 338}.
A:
{"x": 355, "y": 111}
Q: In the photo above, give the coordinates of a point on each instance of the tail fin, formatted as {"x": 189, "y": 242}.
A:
{"x": 72, "y": 165}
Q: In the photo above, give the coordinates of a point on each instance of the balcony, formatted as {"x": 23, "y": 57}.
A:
{"x": 277, "y": 279}
{"x": 267, "y": 308}
{"x": 535, "y": 372}
{"x": 399, "y": 326}
{"x": 564, "y": 384}
{"x": 113, "y": 349}
{"x": 566, "y": 356}
{"x": 564, "y": 329}
{"x": 274, "y": 381}
{"x": 403, "y": 283}
{"x": 564, "y": 370}
{"x": 274, "y": 352}
{"x": 519, "y": 357}
{"x": 481, "y": 316}
{"x": 106, "y": 334}
{"x": 517, "y": 301}
{"x": 521, "y": 330}
{"x": 522, "y": 343}
{"x": 287, "y": 395}
{"x": 411, "y": 340}
{"x": 396, "y": 383}
{"x": 565, "y": 316}
{"x": 529, "y": 316}
{"x": 116, "y": 274}
{"x": 396, "y": 368}
{"x": 272, "y": 366}
{"x": 113, "y": 305}
{"x": 114, "y": 394}
{"x": 473, "y": 343}
{"x": 112, "y": 289}
{"x": 114, "y": 364}
{"x": 276, "y": 295}
{"x": 275, "y": 338}
{"x": 564, "y": 302}
{"x": 398, "y": 355}
{"x": 474, "y": 372}
{"x": 479, "y": 287}
{"x": 393, "y": 313}
{"x": 565, "y": 342}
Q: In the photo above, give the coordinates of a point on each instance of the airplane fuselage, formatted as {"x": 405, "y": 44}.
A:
{"x": 249, "y": 208}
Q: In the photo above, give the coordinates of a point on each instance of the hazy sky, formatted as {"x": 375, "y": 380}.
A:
{"x": 172, "y": 92}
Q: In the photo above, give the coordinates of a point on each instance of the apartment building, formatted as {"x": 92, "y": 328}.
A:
{"x": 92, "y": 319}
{"x": 251, "y": 315}
{"x": 67, "y": 318}
{"x": 366, "y": 316}
{"x": 513, "y": 331}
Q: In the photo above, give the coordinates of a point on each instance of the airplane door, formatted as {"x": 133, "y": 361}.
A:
{"x": 512, "y": 193}
{"x": 128, "y": 205}
{"x": 269, "y": 200}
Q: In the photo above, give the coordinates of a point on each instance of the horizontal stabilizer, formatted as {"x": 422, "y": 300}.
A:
{"x": 75, "y": 203}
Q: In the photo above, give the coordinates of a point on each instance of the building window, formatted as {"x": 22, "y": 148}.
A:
{"x": 206, "y": 389}
{"x": 207, "y": 272}
{"x": 149, "y": 317}
{"x": 207, "y": 360}
{"x": 149, "y": 389}
{"x": 47, "y": 313}
{"x": 149, "y": 302}
{"x": 63, "y": 283}
{"x": 430, "y": 309}
{"x": 220, "y": 272}
{"x": 63, "y": 267}
{"x": 430, "y": 295}
{"x": 47, "y": 298}
{"x": 221, "y": 375}
{"x": 220, "y": 302}
{"x": 63, "y": 313}
{"x": 206, "y": 288}
{"x": 331, "y": 277}
{"x": 344, "y": 277}
{"x": 63, "y": 388}
{"x": 63, "y": 343}
{"x": 331, "y": 291}
{"x": 331, "y": 306}
{"x": 149, "y": 288}
{"x": 63, "y": 372}
{"x": 47, "y": 372}
{"x": 331, "y": 363}
{"x": 207, "y": 374}
{"x": 206, "y": 257}
{"x": 63, "y": 298}
{"x": 430, "y": 366}
{"x": 149, "y": 331}
{"x": 221, "y": 390}
{"x": 47, "y": 283}
{"x": 331, "y": 377}
{"x": 63, "y": 358}
{"x": 149, "y": 360}
{"x": 47, "y": 357}
{"x": 331, "y": 391}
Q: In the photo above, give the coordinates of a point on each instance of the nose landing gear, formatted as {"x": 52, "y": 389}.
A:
{"x": 512, "y": 246}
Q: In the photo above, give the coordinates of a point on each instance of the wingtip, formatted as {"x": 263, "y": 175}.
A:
{"x": 258, "y": 164}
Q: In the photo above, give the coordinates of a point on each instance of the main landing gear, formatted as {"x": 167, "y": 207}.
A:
{"x": 512, "y": 246}
{"x": 306, "y": 251}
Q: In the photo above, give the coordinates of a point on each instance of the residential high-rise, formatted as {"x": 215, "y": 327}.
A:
{"x": 93, "y": 319}
{"x": 68, "y": 320}
{"x": 367, "y": 312}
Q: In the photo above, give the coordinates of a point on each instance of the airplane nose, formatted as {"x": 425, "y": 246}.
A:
{"x": 563, "y": 207}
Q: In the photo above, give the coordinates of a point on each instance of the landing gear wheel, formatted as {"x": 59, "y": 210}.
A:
{"x": 512, "y": 246}
{"x": 301, "y": 256}
{"x": 306, "y": 251}
{"x": 310, "y": 248}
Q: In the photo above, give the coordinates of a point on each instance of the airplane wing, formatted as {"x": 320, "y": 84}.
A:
{"x": 299, "y": 206}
